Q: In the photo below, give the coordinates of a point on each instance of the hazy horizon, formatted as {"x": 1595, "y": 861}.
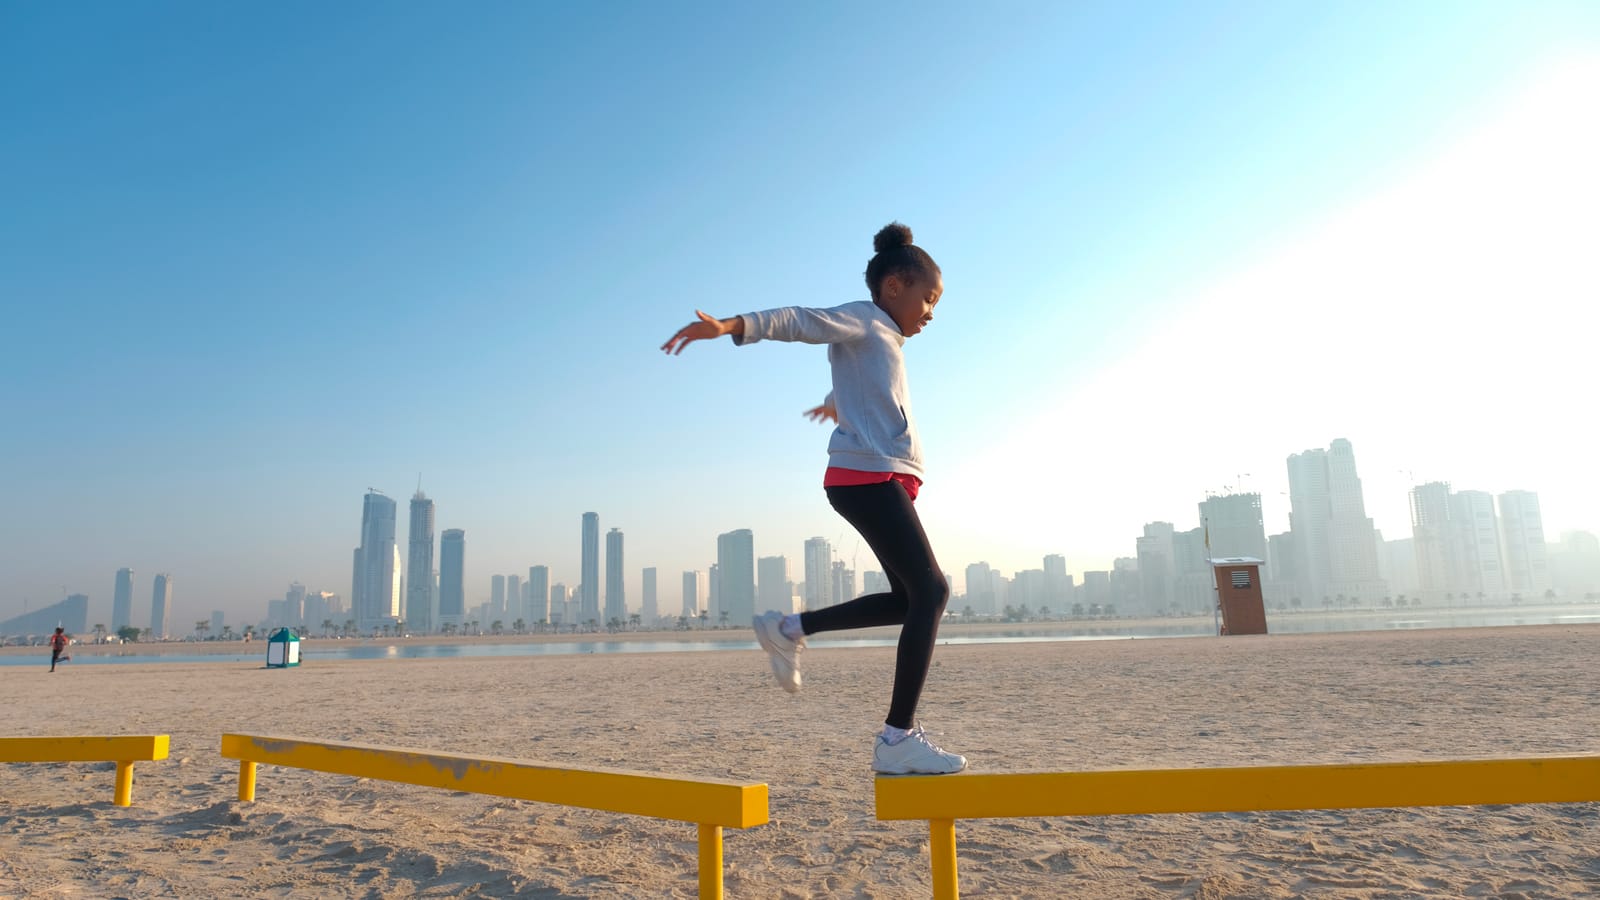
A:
{"x": 259, "y": 260}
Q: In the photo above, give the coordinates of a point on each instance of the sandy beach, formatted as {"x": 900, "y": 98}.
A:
{"x": 1374, "y": 696}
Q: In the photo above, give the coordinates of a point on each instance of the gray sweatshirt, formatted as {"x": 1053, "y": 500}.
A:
{"x": 876, "y": 432}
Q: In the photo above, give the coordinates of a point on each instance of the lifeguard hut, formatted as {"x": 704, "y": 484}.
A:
{"x": 1238, "y": 580}
{"x": 283, "y": 649}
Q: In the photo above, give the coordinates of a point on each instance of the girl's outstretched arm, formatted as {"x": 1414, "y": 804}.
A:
{"x": 706, "y": 328}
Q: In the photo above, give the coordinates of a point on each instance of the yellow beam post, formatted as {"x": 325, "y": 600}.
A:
{"x": 124, "y": 791}
{"x": 942, "y": 847}
{"x": 247, "y": 781}
{"x": 710, "y": 862}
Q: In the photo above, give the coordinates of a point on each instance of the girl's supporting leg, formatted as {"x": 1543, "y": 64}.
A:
{"x": 887, "y": 520}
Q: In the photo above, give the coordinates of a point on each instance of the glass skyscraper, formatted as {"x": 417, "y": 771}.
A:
{"x": 375, "y": 586}
{"x": 419, "y": 567}
{"x": 452, "y": 576}
{"x": 616, "y": 596}
{"x": 736, "y": 582}
{"x": 589, "y": 588}
{"x": 122, "y": 601}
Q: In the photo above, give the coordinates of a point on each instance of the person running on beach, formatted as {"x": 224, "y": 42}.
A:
{"x": 58, "y": 646}
{"x": 874, "y": 473}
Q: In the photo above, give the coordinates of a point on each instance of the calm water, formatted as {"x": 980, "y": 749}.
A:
{"x": 311, "y": 652}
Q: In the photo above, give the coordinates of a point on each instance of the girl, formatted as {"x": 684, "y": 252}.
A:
{"x": 874, "y": 472}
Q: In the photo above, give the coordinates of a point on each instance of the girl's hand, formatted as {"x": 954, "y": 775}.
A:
{"x": 706, "y": 328}
{"x": 818, "y": 413}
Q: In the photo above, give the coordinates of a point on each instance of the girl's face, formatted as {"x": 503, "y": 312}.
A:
{"x": 910, "y": 302}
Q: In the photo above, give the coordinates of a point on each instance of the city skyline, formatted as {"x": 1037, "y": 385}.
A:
{"x": 1232, "y": 525}
{"x": 1176, "y": 249}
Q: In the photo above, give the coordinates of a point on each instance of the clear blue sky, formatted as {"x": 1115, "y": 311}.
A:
{"x": 257, "y": 258}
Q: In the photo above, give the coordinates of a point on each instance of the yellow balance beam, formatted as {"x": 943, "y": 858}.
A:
{"x": 124, "y": 750}
{"x": 942, "y": 799}
{"x": 710, "y": 803}
{"x": 1569, "y": 779}
{"x": 705, "y": 801}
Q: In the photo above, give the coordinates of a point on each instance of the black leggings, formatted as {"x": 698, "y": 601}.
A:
{"x": 917, "y": 595}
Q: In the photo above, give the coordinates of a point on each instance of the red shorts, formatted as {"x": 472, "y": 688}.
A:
{"x": 841, "y": 477}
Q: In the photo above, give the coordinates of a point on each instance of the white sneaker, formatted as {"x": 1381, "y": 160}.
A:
{"x": 914, "y": 755}
{"x": 784, "y": 653}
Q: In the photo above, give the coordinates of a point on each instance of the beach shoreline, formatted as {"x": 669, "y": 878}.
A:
{"x": 954, "y": 626}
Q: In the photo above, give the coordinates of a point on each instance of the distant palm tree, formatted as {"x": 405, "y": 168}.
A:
{"x": 683, "y": 623}
{"x": 227, "y": 632}
{"x": 200, "y": 628}
{"x": 634, "y": 620}
{"x": 519, "y": 626}
{"x": 704, "y": 614}
{"x": 99, "y": 634}
{"x": 327, "y": 627}
{"x": 722, "y": 619}
{"x": 496, "y": 627}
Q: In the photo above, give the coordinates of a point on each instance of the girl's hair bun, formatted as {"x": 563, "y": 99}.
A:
{"x": 891, "y": 236}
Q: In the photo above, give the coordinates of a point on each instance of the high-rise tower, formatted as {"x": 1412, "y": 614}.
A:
{"x": 419, "y": 567}
{"x": 1526, "y": 553}
{"x": 773, "y": 588}
{"x": 736, "y": 576}
{"x": 1233, "y": 525}
{"x": 538, "y": 594}
{"x": 497, "y": 596}
{"x": 122, "y": 601}
{"x": 1477, "y": 534}
{"x": 1336, "y": 549}
{"x": 373, "y": 590}
{"x": 161, "y": 607}
{"x": 819, "y": 574}
{"x": 691, "y": 594}
{"x": 616, "y": 596}
{"x": 452, "y": 577}
{"x": 649, "y": 612}
{"x": 589, "y": 588}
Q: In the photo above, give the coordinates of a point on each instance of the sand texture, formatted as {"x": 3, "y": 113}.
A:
{"x": 1376, "y": 696}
